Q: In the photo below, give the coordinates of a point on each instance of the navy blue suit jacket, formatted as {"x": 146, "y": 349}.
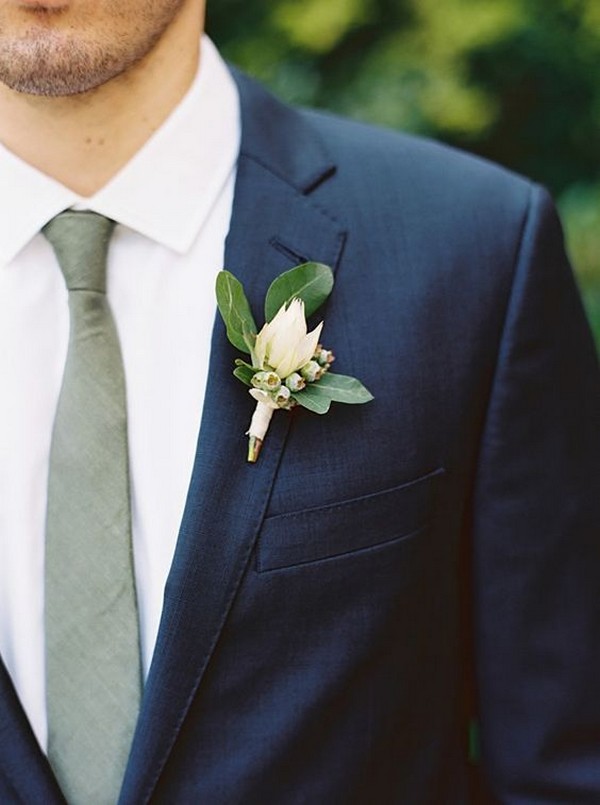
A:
{"x": 336, "y": 612}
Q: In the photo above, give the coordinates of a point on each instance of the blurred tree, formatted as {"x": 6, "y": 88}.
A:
{"x": 546, "y": 78}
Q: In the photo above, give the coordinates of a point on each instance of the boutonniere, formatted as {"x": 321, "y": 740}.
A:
{"x": 288, "y": 366}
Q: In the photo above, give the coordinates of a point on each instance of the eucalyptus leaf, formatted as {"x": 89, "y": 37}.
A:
{"x": 311, "y": 282}
{"x": 250, "y": 340}
{"x": 235, "y": 310}
{"x": 343, "y": 389}
{"x": 312, "y": 399}
{"x": 244, "y": 372}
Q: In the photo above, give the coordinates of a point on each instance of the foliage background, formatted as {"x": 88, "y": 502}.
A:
{"x": 517, "y": 81}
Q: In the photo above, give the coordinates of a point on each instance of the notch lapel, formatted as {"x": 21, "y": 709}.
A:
{"x": 274, "y": 225}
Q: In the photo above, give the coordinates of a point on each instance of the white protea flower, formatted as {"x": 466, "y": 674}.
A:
{"x": 284, "y": 345}
{"x": 284, "y": 355}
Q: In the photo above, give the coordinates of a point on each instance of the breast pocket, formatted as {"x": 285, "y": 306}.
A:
{"x": 357, "y": 524}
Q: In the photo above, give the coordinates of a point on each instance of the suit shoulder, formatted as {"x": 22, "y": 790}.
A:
{"x": 376, "y": 169}
{"x": 373, "y": 180}
{"x": 393, "y": 159}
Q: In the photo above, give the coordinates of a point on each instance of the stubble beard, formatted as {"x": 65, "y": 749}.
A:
{"x": 56, "y": 64}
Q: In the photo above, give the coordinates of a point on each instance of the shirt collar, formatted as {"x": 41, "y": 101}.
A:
{"x": 165, "y": 192}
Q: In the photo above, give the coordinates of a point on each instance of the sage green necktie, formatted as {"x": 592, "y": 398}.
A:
{"x": 93, "y": 672}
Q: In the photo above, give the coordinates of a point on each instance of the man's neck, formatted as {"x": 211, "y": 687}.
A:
{"x": 84, "y": 140}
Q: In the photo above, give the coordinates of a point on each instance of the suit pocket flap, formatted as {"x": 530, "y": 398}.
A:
{"x": 326, "y": 531}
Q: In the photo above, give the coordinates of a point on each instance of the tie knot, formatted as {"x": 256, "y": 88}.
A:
{"x": 80, "y": 241}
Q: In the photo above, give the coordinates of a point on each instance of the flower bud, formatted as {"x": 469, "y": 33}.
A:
{"x": 282, "y": 397}
{"x": 295, "y": 382}
{"x": 266, "y": 381}
{"x": 324, "y": 357}
{"x": 311, "y": 371}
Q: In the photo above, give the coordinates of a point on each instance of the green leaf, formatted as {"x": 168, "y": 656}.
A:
{"x": 330, "y": 388}
{"x": 235, "y": 310}
{"x": 311, "y": 282}
{"x": 244, "y": 372}
{"x": 343, "y": 389}
{"x": 250, "y": 339}
{"x": 312, "y": 399}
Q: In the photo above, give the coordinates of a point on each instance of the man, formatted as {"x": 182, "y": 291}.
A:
{"x": 309, "y": 626}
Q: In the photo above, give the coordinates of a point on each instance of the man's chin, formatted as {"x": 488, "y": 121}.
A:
{"x": 41, "y": 87}
{"x": 39, "y": 78}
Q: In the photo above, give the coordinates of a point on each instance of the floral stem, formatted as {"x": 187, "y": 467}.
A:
{"x": 258, "y": 428}
{"x": 254, "y": 447}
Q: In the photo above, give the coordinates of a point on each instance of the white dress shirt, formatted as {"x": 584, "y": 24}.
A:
{"x": 172, "y": 203}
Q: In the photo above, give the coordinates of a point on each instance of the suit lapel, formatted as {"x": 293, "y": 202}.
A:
{"x": 274, "y": 225}
{"x": 24, "y": 769}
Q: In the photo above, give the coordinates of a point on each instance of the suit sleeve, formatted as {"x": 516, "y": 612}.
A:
{"x": 536, "y": 538}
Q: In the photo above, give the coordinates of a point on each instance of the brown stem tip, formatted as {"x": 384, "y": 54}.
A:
{"x": 254, "y": 446}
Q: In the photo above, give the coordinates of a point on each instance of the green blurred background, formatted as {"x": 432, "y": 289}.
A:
{"x": 517, "y": 81}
